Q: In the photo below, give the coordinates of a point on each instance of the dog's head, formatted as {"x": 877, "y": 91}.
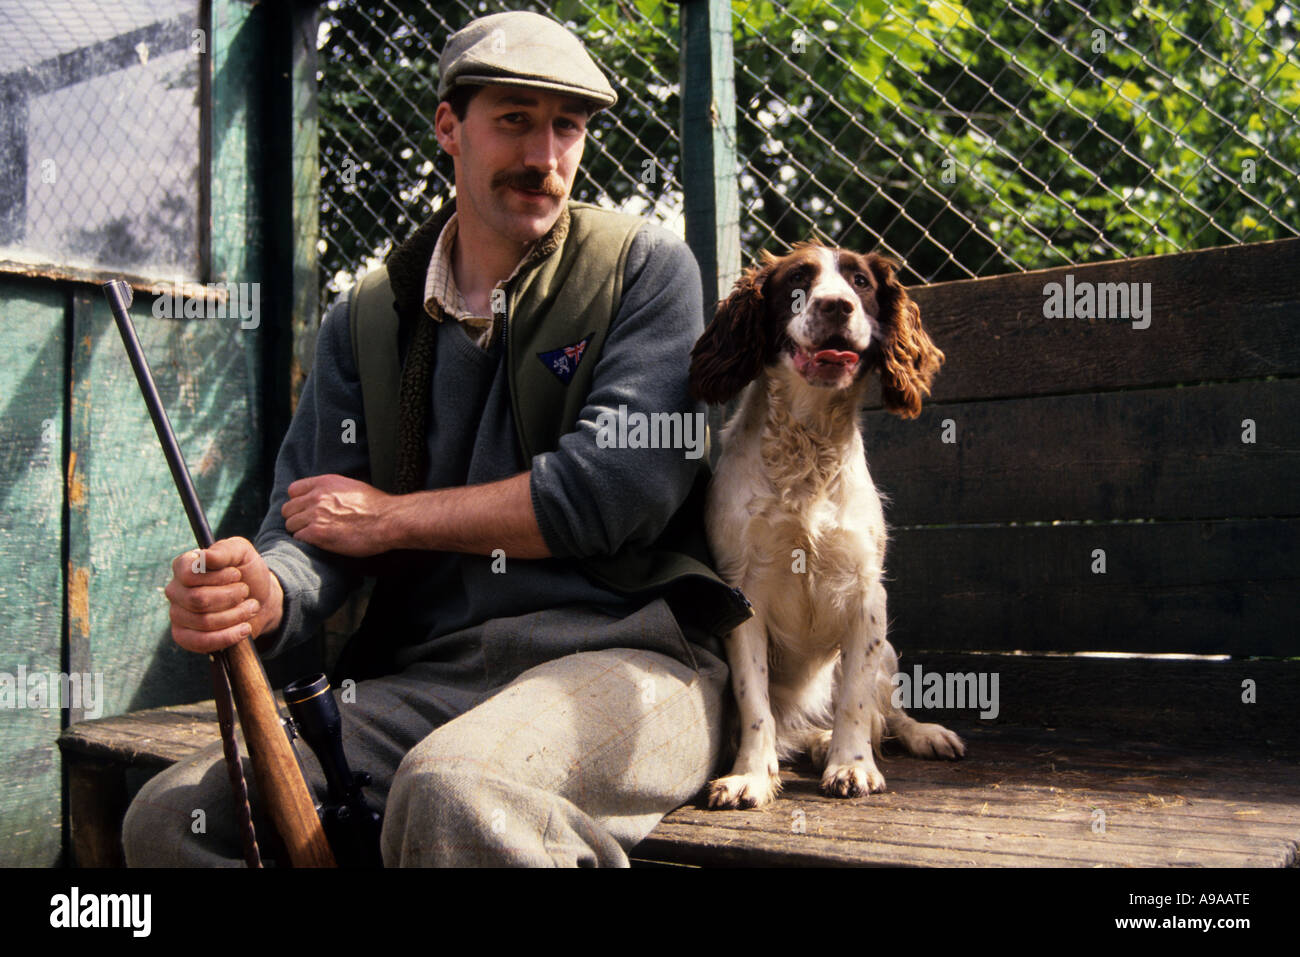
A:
{"x": 827, "y": 315}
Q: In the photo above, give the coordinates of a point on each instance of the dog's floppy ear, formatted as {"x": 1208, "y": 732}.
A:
{"x": 731, "y": 352}
{"x": 910, "y": 358}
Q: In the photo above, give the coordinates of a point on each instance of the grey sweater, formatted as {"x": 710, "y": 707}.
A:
{"x": 588, "y": 500}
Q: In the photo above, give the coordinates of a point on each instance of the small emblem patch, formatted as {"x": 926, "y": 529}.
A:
{"x": 564, "y": 361}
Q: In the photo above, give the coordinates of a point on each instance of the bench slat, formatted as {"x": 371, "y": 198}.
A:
{"x": 1153, "y": 453}
{"x": 1024, "y": 797}
{"x": 1226, "y": 313}
{"x": 1227, "y": 587}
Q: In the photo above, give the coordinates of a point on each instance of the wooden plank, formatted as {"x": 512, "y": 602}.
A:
{"x": 33, "y": 339}
{"x": 127, "y": 523}
{"x": 153, "y": 738}
{"x": 708, "y": 128}
{"x": 1216, "y": 314}
{"x": 236, "y": 161}
{"x": 1011, "y": 803}
{"x": 140, "y": 744}
{"x": 133, "y": 524}
{"x": 1022, "y": 797}
{"x": 746, "y": 842}
{"x": 97, "y": 803}
{"x": 1170, "y": 702}
{"x": 937, "y": 839}
{"x": 80, "y": 441}
{"x": 1223, "y": 587}
{"x": 1157, "y": 453}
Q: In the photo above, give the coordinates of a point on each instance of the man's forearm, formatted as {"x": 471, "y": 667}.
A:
{"x": 477, "y": 519}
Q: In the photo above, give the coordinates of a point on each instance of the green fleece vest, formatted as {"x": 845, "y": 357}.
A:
{"x": 570, "y": 296}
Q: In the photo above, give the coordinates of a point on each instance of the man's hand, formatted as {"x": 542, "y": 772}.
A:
{"x": 221, "y": 595}
{"x": 339, "y": 514}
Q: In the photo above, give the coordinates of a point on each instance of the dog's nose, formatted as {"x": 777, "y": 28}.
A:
{"x": 833, "y": 308}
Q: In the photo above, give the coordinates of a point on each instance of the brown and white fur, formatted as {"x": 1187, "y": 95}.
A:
{"x": 812, "y": 669}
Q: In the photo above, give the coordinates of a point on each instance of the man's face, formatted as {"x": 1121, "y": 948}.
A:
{"x": 516, "y": 155}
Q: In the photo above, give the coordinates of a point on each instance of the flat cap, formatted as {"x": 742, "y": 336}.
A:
{"x": 522, "y": 49}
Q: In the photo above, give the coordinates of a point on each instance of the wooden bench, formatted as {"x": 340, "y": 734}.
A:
{"x": 1025, "y": 797}
{"x": 1077, "y": 487}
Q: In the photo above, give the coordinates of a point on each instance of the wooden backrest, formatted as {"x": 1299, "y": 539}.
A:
{"x": 1170, "y": 452}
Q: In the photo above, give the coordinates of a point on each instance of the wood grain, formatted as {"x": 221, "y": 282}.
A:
{"x": 285, "y": 797}
{"x": 33, "y": 340}
{"x": 1026, "y": 795}
{"x": 1019, "y": 799}
{"x": 1217, "y": 314}
{"x": 1151, "y": 453}
{"x": 1225, "y": 587}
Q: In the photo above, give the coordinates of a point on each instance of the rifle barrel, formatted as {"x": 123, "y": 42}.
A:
{"x": 279, "y": 778}
{"x": 119, "y": 297}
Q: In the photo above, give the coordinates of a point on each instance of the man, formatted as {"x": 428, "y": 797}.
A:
{"x": 548, "y": 676}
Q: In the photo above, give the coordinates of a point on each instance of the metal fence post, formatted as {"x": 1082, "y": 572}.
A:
{"x": 708, "y": 134}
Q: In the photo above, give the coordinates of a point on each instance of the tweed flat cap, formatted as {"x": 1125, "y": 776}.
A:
{"x": 522, "y": 49}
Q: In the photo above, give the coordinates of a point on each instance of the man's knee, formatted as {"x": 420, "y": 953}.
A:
{"x": 145, "y": 820}
{"x": 450, "y": 811}
{"x": 455, "y": 811}
{"x": 160, "y": 818}
{"x": 183, "y": 817}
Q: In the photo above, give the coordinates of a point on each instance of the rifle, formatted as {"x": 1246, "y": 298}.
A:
{"x": 275, "y": 766}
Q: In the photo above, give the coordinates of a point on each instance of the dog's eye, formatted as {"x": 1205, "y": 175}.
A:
{"x": 860, "y": 279}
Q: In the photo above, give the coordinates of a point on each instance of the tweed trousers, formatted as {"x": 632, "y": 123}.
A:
{"x": 554, "y": 739}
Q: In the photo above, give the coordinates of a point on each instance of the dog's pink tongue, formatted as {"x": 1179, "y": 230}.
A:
{"x": 836, "y": 357}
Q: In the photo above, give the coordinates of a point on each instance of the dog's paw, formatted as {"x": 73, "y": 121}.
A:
{"x": 934, "y": 741}
{"x": 743, "y": 791}
{"x": 852, "y": 780}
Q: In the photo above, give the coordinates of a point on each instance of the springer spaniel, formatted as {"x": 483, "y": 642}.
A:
{"x": 795, "y": 521}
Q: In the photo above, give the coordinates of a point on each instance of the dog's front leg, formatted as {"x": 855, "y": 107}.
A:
{"x": 754, "y": 779}
{"x": 850, "y": 765}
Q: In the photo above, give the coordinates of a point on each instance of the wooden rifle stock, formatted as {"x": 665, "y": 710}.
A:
{"x": 275, "y": 766}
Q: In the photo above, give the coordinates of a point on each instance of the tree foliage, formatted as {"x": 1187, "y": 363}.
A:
{"x": 969, "y": 138}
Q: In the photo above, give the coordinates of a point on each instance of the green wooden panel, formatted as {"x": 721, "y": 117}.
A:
{"x": 1150, "y": 453}
{"x": 33, "y": 342}
{"x": 1169, "y": 587}
{"x": 208, "y": 375}
{"x": 236, "y": 154}
{"x": 708, "y": 131}
{"x": 208, "y": 371}
{"x": 132, "y": 524}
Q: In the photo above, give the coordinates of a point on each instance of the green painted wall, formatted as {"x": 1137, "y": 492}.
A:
{"x": 81, "y": 474}
{"x": 32, "y": 342}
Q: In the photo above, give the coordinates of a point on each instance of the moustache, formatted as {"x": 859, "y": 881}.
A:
{"x": 531, "y": 180}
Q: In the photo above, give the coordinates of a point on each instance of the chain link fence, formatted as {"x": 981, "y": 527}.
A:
{"x": 967, "y": 139}
{"x": 382, "y": 171}
{"x": 100, "y": 137}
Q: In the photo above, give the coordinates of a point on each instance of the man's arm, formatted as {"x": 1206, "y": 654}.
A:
{"x": 341, "y": 515}
{"x": 581, "y": 499}
{"x": 313, "y": 583}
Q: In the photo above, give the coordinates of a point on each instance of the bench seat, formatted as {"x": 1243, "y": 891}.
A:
{"x": 1024, "y": 797}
